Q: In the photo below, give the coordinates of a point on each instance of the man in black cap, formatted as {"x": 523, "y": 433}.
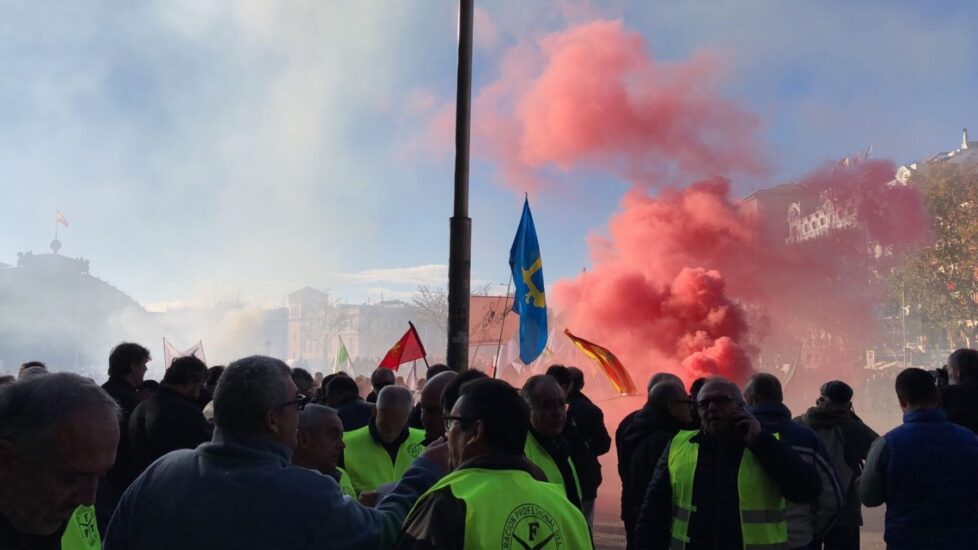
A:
{"x": 847, "y": 440}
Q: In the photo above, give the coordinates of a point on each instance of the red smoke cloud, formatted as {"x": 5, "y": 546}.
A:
{"x": 592, "y": 97}
{"x": 691, "y": 279}
{"x": 697, "y": 282}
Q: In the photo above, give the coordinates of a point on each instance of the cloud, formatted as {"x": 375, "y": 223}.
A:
{"x": 435, "y": 274}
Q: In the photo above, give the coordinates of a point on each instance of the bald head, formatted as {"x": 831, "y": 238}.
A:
{"x": 432, "y": 415}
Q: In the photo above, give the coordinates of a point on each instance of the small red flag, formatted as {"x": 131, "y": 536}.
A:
{"x": 609, "y": 364}
{"x": 408, "y": 348}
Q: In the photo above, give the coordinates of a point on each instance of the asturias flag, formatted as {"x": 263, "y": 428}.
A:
{"x": 530, "y": 301}
{"x": 408, "y": 348}
{"x": 609, "y": 364}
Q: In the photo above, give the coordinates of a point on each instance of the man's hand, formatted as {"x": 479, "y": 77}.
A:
{"x": 369, "y": 498}
{"x": 747, "y": 426}
{"x": 438, "y": 452}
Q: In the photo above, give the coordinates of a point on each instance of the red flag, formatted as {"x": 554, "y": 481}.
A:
{"x": 609, "y": 364}
{"x": 408, "y": 348}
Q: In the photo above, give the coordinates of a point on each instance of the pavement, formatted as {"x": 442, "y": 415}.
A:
{"x": 609, "y": 533}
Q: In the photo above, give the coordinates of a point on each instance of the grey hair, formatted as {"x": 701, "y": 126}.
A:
{"x": 312, "y": 417}
{"x": 249, "y": 388}
{"x": 30, "y": 409}
{"x": 394, "y": 396}
{"x": 723, "y": 382}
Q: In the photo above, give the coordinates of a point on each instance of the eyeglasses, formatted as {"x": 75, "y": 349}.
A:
{"x": 451, "y": 420}
{"x": 300, "y": 402}
{"x": 719, "y": 401}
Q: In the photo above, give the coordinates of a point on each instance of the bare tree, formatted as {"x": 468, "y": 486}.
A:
{"x": 432, "y": 304}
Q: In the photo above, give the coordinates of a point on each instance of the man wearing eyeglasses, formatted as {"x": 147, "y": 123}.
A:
{"x": 241, "y": 489}
{"x": 494, "y": 498}
{"x": 545, "y": 446}
{"x": 723, "y": 487}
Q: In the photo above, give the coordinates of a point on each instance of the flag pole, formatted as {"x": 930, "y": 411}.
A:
{"x": 502, "y": 325}
{"x": 460, "y": 234}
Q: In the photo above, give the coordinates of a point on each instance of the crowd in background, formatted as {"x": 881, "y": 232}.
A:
{"x": 260, "y": 455}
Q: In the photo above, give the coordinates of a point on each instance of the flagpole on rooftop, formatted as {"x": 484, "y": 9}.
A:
{"x": 460, "y": 245}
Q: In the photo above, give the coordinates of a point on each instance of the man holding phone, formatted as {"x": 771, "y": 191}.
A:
{"x": 723, "y": 486}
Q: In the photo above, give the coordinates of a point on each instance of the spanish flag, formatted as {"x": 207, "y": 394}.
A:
{"x": 610, "y": 364}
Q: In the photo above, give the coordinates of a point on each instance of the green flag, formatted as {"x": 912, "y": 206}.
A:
{"x": 342, "y": 356}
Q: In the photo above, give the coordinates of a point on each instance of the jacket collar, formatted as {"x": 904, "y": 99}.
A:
{"x": 924, "y": 415}
{"x": 247, "y": 447}
{"x": 500, "y": 461}
{"x": 771, "y": 410}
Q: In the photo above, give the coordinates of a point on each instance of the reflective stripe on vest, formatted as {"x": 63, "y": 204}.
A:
{"x": 508, "y": 509}
{"x": 536, "y": 454}
{"x": 762, "y": 508}
{"x": 369, "y": 464}
{"x": 82, "y": 531}
{"x": 346, "y": 486}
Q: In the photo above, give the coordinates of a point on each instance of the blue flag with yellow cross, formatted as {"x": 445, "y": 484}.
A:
{"x": 530, "y": 301}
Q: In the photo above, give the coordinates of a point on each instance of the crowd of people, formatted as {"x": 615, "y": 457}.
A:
{"x": 261, "y": 455}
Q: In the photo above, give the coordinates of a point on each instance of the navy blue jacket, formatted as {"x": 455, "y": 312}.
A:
{"x": 926, "y": 471}
{"x": 237, "y": 492}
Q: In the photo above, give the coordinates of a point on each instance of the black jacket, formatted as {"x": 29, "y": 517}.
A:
{"x": 715, "y": 525}
{"x": 960, "y": 403}
{"x": 624, "y": 449}
{"x": 645, "y": 437}
{"x": 165, "y": 422}
{"x": 127, "y": 397}
{"x": 11, "y": 538}
{"x": 355, "y": 414}
{"x": 595, "y": 442}
{"x": 857, "y": 439}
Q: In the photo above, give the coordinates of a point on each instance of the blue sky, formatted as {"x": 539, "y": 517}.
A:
{"x": 205, "y": 148}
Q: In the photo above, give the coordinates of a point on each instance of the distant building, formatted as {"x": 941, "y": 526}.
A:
{"x": 811, "y": 219}
{"x": 54, "y": 310}
{"x": 966, "y": 153}
{"x": 316, "y": 326}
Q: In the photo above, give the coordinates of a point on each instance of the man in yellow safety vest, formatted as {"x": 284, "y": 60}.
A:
{"x": 380, "y": 452}
{"x": 723, "y": 487}
{"x": 495, "y": 499}
{"x": 545, "y": 446}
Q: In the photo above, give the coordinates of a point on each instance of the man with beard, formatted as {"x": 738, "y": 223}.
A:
{"x": 723, "y": 487}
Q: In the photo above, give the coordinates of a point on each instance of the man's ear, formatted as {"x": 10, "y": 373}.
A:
{"x": 478, "y": 434}
{"x": 271, "y": 421}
